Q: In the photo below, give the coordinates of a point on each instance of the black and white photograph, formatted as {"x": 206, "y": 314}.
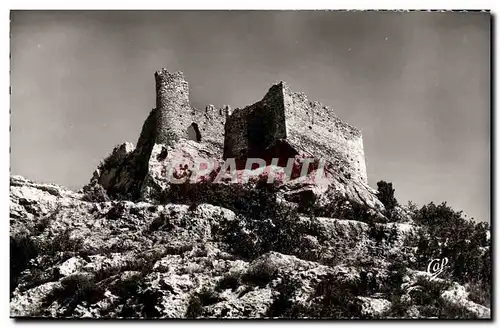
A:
{"x": 250, "y": 164}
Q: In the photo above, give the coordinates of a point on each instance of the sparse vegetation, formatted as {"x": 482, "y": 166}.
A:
{"x": 62, "y": 242}
{"x": 377, "y": 232}
{"x": 337, "y": 300}
{"x": 161, "y": 222}
{"x": 229, "y": 281}
{"x": 425, "y": 298}
{"x": 22, "y": 250}
{"x": 76, "y": 289}
{"x": 262, "y": 225}
{"x": 386, "y": 197}
{"x": 479, "y": 294}
{"x": 333, "y": 298}
{"x": 445, "y": 233}
{"x": 200, "y": 299}
{"x": 430, "y": 303}
{"x": 95, "y": 193}
{"x": 283, "y": 305}
{"x": 345, "y": 209}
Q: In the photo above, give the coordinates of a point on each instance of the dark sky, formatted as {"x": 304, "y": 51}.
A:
{"x": 417, "y": 84}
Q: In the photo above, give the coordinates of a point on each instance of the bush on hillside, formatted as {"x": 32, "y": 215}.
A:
{"x": 386, "y": 197}
{"x": 444, "y": 232}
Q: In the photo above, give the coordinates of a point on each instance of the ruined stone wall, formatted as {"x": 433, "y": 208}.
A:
{"x": 235, "y": 134}
{"x": 210, "y": 123}
{"x": 314, "y": 127}
{"x": 308, "y": 126}
{"x": 251, "y": 130}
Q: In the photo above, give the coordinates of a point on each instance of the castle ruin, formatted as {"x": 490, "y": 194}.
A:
{"x": 260, "y": 130}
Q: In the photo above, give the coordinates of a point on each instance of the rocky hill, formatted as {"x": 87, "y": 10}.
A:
{"x": 132, "y": 243}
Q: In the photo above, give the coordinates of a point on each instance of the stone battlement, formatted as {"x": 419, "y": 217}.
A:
{"x": 310, "y": 127}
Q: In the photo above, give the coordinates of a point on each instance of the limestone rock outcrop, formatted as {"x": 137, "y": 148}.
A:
{"x": 118, "y": 259}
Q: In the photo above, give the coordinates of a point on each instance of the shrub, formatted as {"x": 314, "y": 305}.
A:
{"x": 194, "y": 308}
{"x": 74, "y": 290}
{"x": 337, "y": 300}
{"x": 397, "y": 271}
{"x": 445, "y": 233}
{"x": 22, "y": 250}
{"x": 386, "y": 197}
{"x": 42, "y": 224}
{"x": 342, "y": 208}
{"x": 479, "y": 294}
{"x": 261, "y": 273}
{"x": 161, "y": 222}
{"x": 229, "y": 281}
{"x": 138, "y": 300}
{"x": 411, "y": 207}
{"x": 141, "y": 304}
{"x": 95, "y": 193}
{"x": 35, "y": 277}
{"x": 377, "y": 232}
{"x": 283, "y": 306}
{"x": 429, "y": 291}
{"x": 332, "y": 299}
{"x": 430, "y": 303}
{"x": 200, "y": 299}
{"x": 61, "y": 242}
{"x": 262, "y": 225}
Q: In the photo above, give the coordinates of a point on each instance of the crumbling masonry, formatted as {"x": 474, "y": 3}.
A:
{"x": 281, "y": 117}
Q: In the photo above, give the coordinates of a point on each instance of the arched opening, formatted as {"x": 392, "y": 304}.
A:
{"x": 194, "y": 132}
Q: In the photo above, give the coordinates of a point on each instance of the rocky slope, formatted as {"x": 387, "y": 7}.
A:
{"x": 132, "y": 244}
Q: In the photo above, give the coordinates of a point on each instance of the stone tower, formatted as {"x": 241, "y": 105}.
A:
{"x": 174, "y": 118}
{"x": 172, "y": 104}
